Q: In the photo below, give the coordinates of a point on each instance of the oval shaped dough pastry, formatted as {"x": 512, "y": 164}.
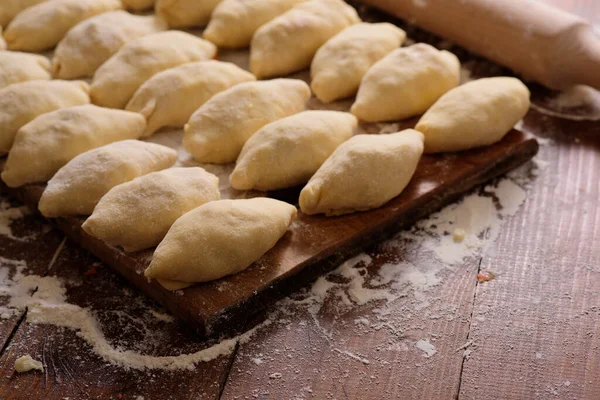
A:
{"x": 18, "y": 67}
{"x": 170, "y": 97}
{"x": 78, "y": 186}
{"x": 117, "y": 79}
{"x": 363, "y": 173}
{"x": 288, "y": 152}
{"x": 341, "y": 63}
{"x": 90, "y": 43}
{"x": 137, "y": 215}
{"x": 22, "y": 102}
{"x": 406, "y": 83}
{"x": 233, "y": 22}
{"x": 217, "y": 132}
{"x": 288, "y": 43}
{"x": 475, "y": 114}
{"x": 138, "y": 5}
{"x": 219, "y": 238}
{"x": 185, "y": 13}
{"x": 42, "y": 26}
{"x": 10, "y": 8}
{"x": 51, "y": 140}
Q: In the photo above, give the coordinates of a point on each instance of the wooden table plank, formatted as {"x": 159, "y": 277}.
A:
{"x": 30, "y": 242}
{"x": 535, "y": 328}
{"x": 126, "y": 319}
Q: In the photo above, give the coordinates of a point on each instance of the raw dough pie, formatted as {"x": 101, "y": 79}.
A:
{"x": 217, "y": 132}
{"x": 406, "y": 83}
{"x": 219, "y": 238}
{"x": 138, "y": 5}
{"x": 10, "y": 8}
{"x": 288, "y": 43}
{"x": 18, "y": 67}
{"x": 42, "y": 26}
{"x": 117, "y": 79}
{"x": 170, "y": 97}
{"x": 475, "y": 114}
{"x": 51, "y": 140}
{"x": 341, "y": 63}
{"x": 365, "y": 172}
{"x": 137, "y": 215}
{"x": 185, "y": 13}
{"x": 288, "y": 152}
{"x": 90, "y": 43}
{"x": 22, "y": 102}
{"x": 80, "y": 184}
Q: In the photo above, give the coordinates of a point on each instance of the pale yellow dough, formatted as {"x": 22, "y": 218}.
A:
{"x": 185, "y": 13}
{"x": 219, "y": 238}
{"x": 18, "y": 67}
{"x": 288, "y": 43}
{"x": 217, "y": 131}
{"x": 406, "y": 83}
{"x": 340, "y": 64}
{"x": 26, "y": 363}
{"x": 363, "y": 173}
{"x": 51, "y": 140}
{"x": 10, "y": 8}
{"x": 117, "y": 79}
{"x": 138, "y": 5}
{"x": 78, "y": 186}
{"x": 22, "y": 102}
{"x": 170, "y": 97}
{"x": 233, "y": 22}
{"x": 42, "y": 26}
{"x": 288, "y": 152}
{"x": 475, "y": 114}
{"x": 90, "y": 43}
{"x": 137, "y": 215}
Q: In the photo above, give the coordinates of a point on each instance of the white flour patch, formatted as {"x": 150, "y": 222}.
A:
{"x": 8, "y": 215}
{"x": 426, "y": 347}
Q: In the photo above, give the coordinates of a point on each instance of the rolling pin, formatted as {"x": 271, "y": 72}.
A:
{"x": 536, "y": 40}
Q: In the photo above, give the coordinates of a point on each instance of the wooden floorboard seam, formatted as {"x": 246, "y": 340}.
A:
{"x": 223, "y": 383}
{"x": 462, "y": 364}
{"x": 13, "y": 332}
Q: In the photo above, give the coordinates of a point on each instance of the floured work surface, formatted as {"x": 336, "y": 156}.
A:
{"x": 313, "y": 244}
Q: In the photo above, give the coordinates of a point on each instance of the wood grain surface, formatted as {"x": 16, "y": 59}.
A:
{"x": 530, "y": 333}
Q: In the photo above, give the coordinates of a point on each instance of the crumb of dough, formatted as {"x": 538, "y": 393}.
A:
{"x": 26, "y": 363}
{"x": 458, "y": 235}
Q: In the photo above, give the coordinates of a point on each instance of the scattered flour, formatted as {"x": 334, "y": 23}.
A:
{"x": 8, "y": 214}
{"x": 426, "y": 347}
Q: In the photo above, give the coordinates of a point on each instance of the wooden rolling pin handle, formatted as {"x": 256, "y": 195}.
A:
{"x": 540, "y": 42}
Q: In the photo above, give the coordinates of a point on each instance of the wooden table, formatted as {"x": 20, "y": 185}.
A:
{"x": 533, "y": 332}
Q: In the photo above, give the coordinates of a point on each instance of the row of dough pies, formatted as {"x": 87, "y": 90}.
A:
{"x": 95, "y": 166}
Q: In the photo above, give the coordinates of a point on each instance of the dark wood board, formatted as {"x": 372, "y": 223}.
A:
{"x": 313, "y": 244}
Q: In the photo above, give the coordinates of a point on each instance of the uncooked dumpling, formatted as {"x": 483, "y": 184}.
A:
{"x": 137, "y": 215}
{"x": 365, "y": 172}
{"x": 22, "y": 102}
{"x": 18, "y": 67}
{"x": 89, "y": 44}
{"x": 233, "y": 22}
{"x": 288, "y": 152}
{"x": 475, "y": 114}
{"x": 288, "y": 43}
{"x": 51, "y": 140}
{"x": 170, "y": 97}
{"x": 406, "y": 83}
{"x": 341, "y": 63}
{"x": 10, "y": 8}
{"x": 80, "y": 184}
{"x": 117, "y": 79}
{"x": 217, "y": 132}
{"x": 185, "y": 13}
{"x": 138, "y": 5}
{"x": 220, "y": 238}
{"x": 42, "y": 26}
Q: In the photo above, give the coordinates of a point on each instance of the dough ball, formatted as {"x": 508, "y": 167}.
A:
{"x": 288, "y": 152}
{"x": 475, "y": 114}
{"x": 406, "y": 83}
{"x": 137, "y": 214}
{"x": 363, "y": 173}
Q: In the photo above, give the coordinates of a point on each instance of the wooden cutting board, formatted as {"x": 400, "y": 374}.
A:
{"x": 313, "y": 245}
